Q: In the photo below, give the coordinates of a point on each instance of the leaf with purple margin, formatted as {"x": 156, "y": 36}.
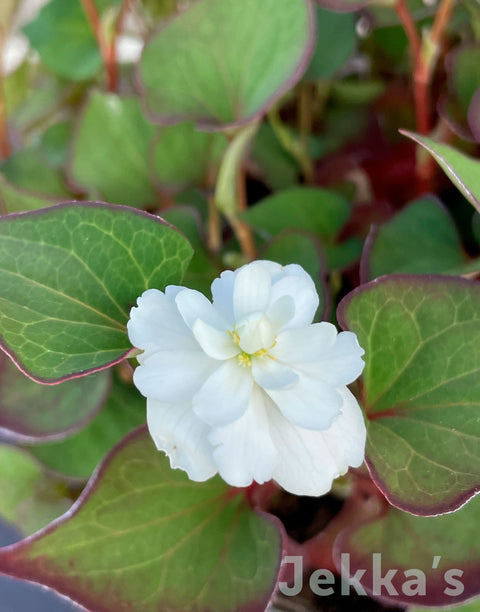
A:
{"x": 144, "y": 537}
{"x": 421, "y": 394}
{"x": 213, "y": 64}
{"x": 344, "y": 6}
{"x": 420, "y": 239}
{"x": 30, "y": 412}
{"x": 30, "y": 497}
{"x": 462, "y": 170}
{"x": 442, "y": 547}
{"x": 69, "y": 275}
{"x": 78, "y": 455}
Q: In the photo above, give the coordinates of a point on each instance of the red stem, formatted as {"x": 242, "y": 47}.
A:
{"x": 5, "y": 148}
{"x": 108, "y": 50}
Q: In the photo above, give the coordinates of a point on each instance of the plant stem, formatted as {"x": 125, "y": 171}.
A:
{"x": 5, "y": 148}
{"x": 441, "y": 21}
{"x": 107, "y": 51}
{"x": 420, "y": 75}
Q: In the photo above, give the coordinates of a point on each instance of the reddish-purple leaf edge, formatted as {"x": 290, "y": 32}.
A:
{"x": 209, "y": 125}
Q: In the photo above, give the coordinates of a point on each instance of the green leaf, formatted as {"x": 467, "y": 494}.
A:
{"x": 420, "y": 239}
{"x": 61, "y": 21}
{"x": 201, "y": 272}
{"x": 185, "y": 156}
{"x": 462, "y": 170}
{"x": 31, "y": 412}
{"x": 307, "y": 209}
{"x": 421, "y": 337}
{"x": 28, "y": 169}
{"x": 300, "y": 248}
{"x": 277, "y": 168}
{"x": 435, "y": 546}
{"x": 336, "y": 41}
{"x": 79, "y": 455}
{"x": 143, "y": 537}
{"x": 68, "y": 277}
{"x": 316, "y": 211}
{"x": 14, "y": 199}
{"x": 55, "y": 142}
{"x": 215, "y": 65}
{"x": 30, "y": 498}
{"x": 111, "y": 148}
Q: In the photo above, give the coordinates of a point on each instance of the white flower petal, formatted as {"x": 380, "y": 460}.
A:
{"x": 302, "y": 290}
{"x": 251, "y": 291}
{"x": 216, "y": 343}
{"x": 340, "y": 365}
{"x": 222, "y": 295}
{"x": 271, "y": 374}
{"x": 156, "y": 322}
{"x": 311, "y": 403}
{"x": 176, "y": 430}
{"x": 193, "y": 305}
{"x": 225, "y": 395}
{"x": 304, "y": 344}
{"x": 244, "y": 450}
{"x": 281, "y": 312}
{"x": 173, "y": 376}
{"x": 309, "y": 461}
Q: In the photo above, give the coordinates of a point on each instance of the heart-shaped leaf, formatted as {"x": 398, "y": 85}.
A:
{"x": 462, "y": 170}
{"x": 421, "y": 394}
{"x": 213, "y": 63}
{"x": 143, "y": 537}
{"x": 420, "y": 239}
{"x": 68, "y": 277}
{"x": 110, "y": 151}
{"x": 430, "y": 561}
{"x": 30, "y": 412}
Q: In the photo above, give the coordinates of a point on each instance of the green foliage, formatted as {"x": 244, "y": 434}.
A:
{"x": 461, "y": 169}
{"x": 78, "y": 455}
{"x": 336, "y": 41}
{"x": 110, "y": 150}
{"x": 144, "y": 536}
{"x": 421, "y": 397}
{"x": 61, "y": 21}
{"x": 65, "y": 295}
{"x": 421, "y": 239}
{"x": 30, "y": 498}
{"x": 33, "y": 412}
{"x": 226, "y": 69}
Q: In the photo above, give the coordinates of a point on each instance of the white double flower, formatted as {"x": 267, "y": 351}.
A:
{"x": 247, "y": 386}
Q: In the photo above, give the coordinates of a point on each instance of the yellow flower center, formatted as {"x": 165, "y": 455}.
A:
{"x": 245, "y": 359}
